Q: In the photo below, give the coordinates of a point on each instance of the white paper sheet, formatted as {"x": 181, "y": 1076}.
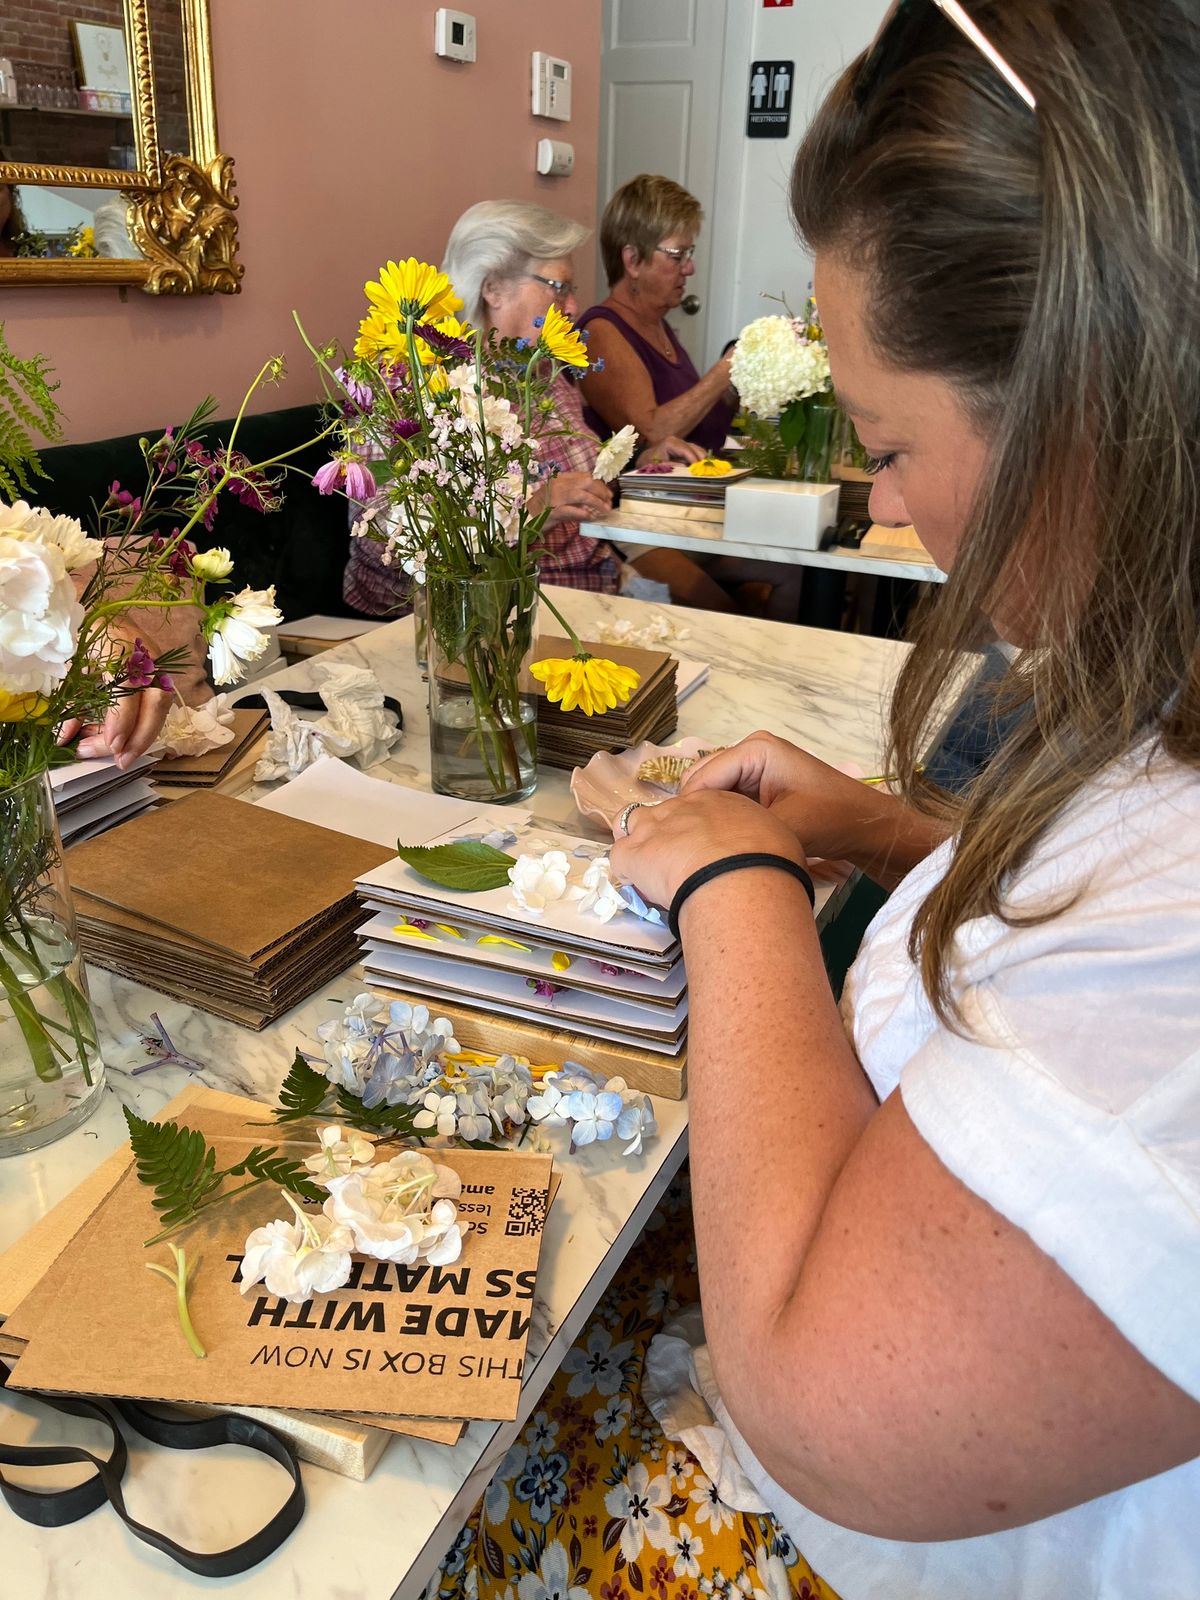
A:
{"x": 397, "y": 884}
{"x": 333, "y": 628}
{"x": 692, "y": 675}
{"x": 72, "y": 783}
{"x": 332, "y": 793}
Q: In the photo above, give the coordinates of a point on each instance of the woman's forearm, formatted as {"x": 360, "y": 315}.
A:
{"x": 680, "y": 416}
{"x": 882, "y": 836}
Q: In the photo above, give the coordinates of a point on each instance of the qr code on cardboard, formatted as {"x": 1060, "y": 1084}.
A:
{"x": 526, "y": 1213}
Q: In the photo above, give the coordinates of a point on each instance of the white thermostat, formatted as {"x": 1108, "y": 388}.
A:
{"x": 551, "y": 87}
{"x": 454, "y": 35}
{"x": 555, "y": 159}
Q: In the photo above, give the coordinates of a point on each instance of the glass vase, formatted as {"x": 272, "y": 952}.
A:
{"x": 420, "y": 605}
{"x": 820, "y": 441}
{"x": 51, "y": 1074}
{"x": 482, "y": 699}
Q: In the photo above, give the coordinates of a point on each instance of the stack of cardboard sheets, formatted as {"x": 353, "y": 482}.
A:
{"x": 570, "y": 739}
{"x": 214, "y": 766}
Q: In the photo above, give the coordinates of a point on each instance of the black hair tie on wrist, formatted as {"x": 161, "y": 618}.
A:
{"x": 752, "y": 858}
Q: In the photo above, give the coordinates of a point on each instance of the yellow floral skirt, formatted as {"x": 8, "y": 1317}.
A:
{"x": 592, "y": 1499}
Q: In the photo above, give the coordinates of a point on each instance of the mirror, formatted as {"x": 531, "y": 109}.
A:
{"x": 110, "y": 171}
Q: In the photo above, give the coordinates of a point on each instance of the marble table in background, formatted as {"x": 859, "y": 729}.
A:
{"x": 385, "y": 1537}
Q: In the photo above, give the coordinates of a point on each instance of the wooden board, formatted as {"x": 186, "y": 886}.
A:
{"x": 646, "y": 1070}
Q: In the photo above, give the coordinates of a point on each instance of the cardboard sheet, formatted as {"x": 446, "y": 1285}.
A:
{"x": 207, "y": 769}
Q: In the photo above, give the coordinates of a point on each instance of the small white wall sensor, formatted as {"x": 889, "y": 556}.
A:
{"x": 555, "y": 159}
{"x": 454, "y": 35}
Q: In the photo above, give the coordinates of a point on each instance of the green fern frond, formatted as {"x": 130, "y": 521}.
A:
{"x": 176, "y": 1163}
{"x": 302, "y": 1093}
{"x": 266, "y": 1164}
{"x": 27, "y": 407}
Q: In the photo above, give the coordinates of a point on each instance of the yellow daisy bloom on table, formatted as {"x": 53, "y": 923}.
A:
{"x": 587, "y": 682}
{"x": 710, "y": 467}
{"x": 413, "y": 288}
{"x": 561, "y": 340}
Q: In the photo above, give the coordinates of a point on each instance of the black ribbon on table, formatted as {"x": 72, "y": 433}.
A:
{"x": 306, "y": 700}
{"x": 55, "y": 1508}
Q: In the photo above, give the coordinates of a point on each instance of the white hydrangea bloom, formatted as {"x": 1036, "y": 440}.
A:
{"x": 775, "y": 363}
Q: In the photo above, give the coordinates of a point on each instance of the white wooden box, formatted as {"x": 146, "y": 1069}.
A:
{"x": 779, "y": 511}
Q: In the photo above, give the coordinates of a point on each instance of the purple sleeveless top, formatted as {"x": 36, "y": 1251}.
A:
{"x": 670, "y": 380}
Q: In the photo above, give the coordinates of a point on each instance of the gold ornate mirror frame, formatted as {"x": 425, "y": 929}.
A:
{"x": 182, "y": 206}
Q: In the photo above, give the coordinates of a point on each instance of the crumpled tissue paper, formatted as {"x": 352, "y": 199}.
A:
{"x": 356, "y": 727}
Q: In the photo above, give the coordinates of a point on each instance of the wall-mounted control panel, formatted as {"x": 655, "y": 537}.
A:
{"x": 454, "y": 34}
{"x": 551, "y": 87}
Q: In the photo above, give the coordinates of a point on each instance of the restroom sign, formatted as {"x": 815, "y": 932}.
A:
{"x": 769, "y": 110}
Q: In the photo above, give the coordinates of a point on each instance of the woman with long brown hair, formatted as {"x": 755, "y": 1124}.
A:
{"x": 949, "y": 1239}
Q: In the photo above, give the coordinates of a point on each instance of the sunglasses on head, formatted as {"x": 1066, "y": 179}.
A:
{"x": 891, "y": 44}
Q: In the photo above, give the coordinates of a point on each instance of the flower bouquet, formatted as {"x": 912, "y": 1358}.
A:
{"x": 69, "y": 650}
{"x": 780, "y": 369}
{"x": 439, "y": 429}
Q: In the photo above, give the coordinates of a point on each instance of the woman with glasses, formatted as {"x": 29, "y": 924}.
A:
{"x": 510, "y": 261}
{"x": 949, "y": 1237}
{"x": 648, "y": 241}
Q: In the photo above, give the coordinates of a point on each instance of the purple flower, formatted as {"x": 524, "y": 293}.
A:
{"x": 523, "y": 344}
{"x": 166, "y": 683}
{"x": 139, "y": 667}
{"x": 358, "y": 393}
{"x": 360, "y": 485}
{"x": 404, "y": 428}
{"x": 598, "y": 364}
{"x": 443, "y": 343}
{"x": 179, "y": 559}
{"x": 543, "y": 988}
{"x": 539, "y": 322}
{"x": 164, "y": 1052}
{"x": 656, "y": 466}
{"x": 328, "y": 478}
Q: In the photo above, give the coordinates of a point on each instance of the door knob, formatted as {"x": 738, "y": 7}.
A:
{"x": 690, "y": 304}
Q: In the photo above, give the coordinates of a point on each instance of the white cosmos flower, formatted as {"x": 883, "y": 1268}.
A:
{"x": 40, "y": 615}
{"x": 212, "y": 565}
{"x": 237, "y": 638}
{"x": 615, "y": 456}
{"x": 298, "y": 1259}
{"x": 341, "y": 1151}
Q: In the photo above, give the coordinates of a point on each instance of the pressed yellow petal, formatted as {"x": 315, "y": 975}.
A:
{"x": 444, "y": 927}
{"x": 560, "y": 961}
{"x": 710, "y": 467}
{"x": 495, "y": 938}
{"x": 413, "y": 933}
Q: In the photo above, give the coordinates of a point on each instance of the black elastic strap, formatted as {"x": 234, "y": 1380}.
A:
{"x": 715, "y": 869}
{"x": 54, "y": 1508}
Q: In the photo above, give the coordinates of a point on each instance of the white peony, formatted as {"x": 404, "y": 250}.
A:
{"x": 774, "y": 363}
{"x": 193, "y": 730}
{"x": 616, "y": 455}
{"x": 40, "y": 615}
{"x": 237, "y": 638}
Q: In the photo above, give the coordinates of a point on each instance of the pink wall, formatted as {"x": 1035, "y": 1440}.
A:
{"x": 353, "y": 143}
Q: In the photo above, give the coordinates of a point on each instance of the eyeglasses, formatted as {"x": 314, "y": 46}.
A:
{"x": 563, "y": 288}
{"x": 894, "y": 36}
{"x": 678, "y": 252}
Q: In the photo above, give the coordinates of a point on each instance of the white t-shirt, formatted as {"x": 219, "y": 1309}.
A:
{"x": 1074, "y": 1110}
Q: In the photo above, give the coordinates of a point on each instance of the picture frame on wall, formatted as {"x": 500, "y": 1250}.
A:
{"x": 102, "y": 57}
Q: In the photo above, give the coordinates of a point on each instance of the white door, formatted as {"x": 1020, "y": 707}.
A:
{"x": 660, "y": 95}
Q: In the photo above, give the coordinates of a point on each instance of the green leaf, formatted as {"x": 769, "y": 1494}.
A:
{"x": 793, "y": 424}
{"x": 265, "y": 1162}
{"x": 175, "y": 1162}
{"x": 469, "y": 865}
{"x": 302, "y": 1093}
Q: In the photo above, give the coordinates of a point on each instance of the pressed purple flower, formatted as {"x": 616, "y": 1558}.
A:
{"x": 655, "y": 466}
{"x": 360, "y": 484}
{"x": 328, "y": 478}
{"x": 444, "y": 344}
{"x": 543, "y": 988}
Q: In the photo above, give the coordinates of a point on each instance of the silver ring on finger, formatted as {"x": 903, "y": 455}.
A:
{"x": 627, "y": 812}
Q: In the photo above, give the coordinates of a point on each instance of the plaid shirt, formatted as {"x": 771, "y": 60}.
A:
{"x": 378, "y": 589}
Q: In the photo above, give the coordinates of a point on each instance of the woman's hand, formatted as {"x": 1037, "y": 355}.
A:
{"x": 668, "y": 842}
{"x": 573, "y": 497}
{"x": 130, "y": 727}
{"x": 670, "y": 449}
{"x": 833, "y": 816}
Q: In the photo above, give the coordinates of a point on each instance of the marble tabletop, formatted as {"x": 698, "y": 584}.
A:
{"x": 702, "y": 529}
{"x": 384, "y": 1538}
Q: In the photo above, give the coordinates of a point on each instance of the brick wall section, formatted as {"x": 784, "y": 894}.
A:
{"x": 36, "y": 37}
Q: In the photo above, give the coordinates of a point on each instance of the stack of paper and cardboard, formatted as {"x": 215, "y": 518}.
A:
{"x": 214, "y": 766}
{"x": 612, "y": 994}
{"x": 416, "y": 1350}
{"x": 570, "y": 739}
{"x": 236, "y": 909}
{"x": 90, "y": 796}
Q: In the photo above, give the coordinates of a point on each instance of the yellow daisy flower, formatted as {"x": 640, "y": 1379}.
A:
{"x": 22, "y": 707}
{"x": 560, "y": 339}
{"x": 378, "y": 339}
{"x": 413, "y": 288}
{"x": 587, "y": 682}
{"x": 710, "y": 467}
